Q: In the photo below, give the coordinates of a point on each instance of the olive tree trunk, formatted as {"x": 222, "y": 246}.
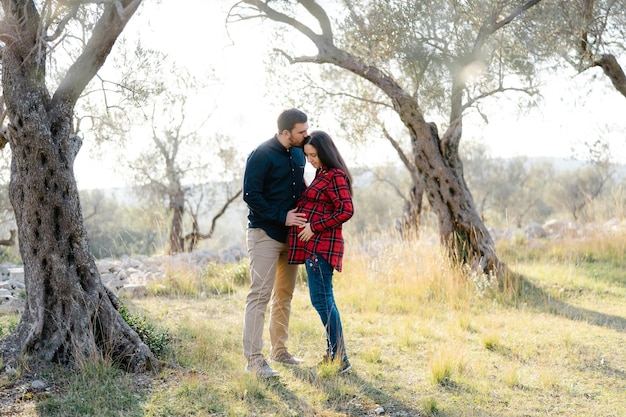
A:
{"x": 69, "y": 315}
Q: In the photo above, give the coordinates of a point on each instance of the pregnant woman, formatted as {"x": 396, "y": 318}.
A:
{"x": 318, "y": 244}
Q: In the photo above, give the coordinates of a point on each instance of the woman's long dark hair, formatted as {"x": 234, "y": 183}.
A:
{"x": 328, "y": 153}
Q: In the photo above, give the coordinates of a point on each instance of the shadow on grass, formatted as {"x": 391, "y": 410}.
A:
{"x": 537, "y": 298}
{"x": 299, "y": 406}
{"x": 344, "y": 401}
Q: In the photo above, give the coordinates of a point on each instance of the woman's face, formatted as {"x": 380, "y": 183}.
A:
{"x": 311, "y": 156}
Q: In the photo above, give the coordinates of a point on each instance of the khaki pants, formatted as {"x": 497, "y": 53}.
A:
{"x": 271, "y": 278}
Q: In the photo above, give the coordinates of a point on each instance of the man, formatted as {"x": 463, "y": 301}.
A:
{"x": 272, "y": 183}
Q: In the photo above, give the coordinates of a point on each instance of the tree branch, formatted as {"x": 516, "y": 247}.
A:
{"x": 405, "y": 160}
{"x": 320, "y": 14}
{"x": 106, "y": 31}
{"x": 516, "y": 12}
{"x": 392, "y": 184}
{"x": 471, "y": 101}
{"x": 613, "y": 70}
{"x": 492, "y": 25}
{"x": 277, "y": 16}
{"x": 195, "y": 236}
{"x": 62, "y": 24}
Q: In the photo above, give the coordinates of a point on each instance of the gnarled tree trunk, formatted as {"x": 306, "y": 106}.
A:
{"x": 69, "y": 315}
{"x": 461, "y": 229}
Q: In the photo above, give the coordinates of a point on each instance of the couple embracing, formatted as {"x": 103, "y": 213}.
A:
{"x": 290, "y": 224}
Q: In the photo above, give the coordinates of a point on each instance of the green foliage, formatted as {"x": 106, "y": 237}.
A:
{"x": 180, "y": 283}
{"x": 442, "y": 370}
{"x": 241, "y": 274}
{"x": 10, "y": 254}
{"x": 577, "y": 189}
{"x": 238, "y": 274}
{"x": 224, "y": 279}
{"x": 8, "y": 323}
{"x": 158, "y": 341}
{"x": 430, "y": 406}
{"x": 509, "y": 193}
{"x": 599, "y": 256}
{"x": 213, "y": 279}
{"x": 514, "y": 192}
{"x": 491, "y": 342}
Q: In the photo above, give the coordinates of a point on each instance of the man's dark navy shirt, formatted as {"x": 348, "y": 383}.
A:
{"x": 272, "y": 183}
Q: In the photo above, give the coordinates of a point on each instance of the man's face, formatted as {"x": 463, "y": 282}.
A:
{"x": 298, "y": 133}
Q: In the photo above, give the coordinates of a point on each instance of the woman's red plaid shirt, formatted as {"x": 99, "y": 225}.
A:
{"x": 327, "y": 204}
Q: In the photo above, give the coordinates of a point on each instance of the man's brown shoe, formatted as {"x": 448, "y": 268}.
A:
{"x": 286, "y": 358}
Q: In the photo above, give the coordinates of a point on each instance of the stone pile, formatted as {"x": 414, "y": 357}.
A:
{"x": 11, "y": 285}
{"x": 128, "y": 276}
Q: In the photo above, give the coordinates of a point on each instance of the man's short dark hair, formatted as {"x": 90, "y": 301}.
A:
{"x": 289, "y": 118}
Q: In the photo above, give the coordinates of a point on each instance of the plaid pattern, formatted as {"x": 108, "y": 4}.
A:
{"x": 327, "y": 204}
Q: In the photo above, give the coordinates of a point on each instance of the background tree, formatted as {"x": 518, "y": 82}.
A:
{"x": 594, "y": 31}
{"x": 579, "y": 188}
{"x": 448, "y": 41}
{"x": 173, "y": 167}
{"x": 197, "y": 210}
{"x": 508, "y": 191}
{"x": 118, "y": 226}
{"x": 180, "y": 161}
{"x": 69, "y": 315}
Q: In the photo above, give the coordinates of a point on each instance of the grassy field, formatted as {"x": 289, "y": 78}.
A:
{"x": 423, "y": 339}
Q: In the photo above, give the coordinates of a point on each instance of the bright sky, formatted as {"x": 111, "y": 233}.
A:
{"x": 574, "y": 110}
{"x": 195, "y": 35}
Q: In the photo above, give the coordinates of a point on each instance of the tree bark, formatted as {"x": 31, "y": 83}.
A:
{"x": 177, "y": 207}
{"x": 613, "y": 71}
{"x": 608, "y": 62}
{"x": 69, "y": 315}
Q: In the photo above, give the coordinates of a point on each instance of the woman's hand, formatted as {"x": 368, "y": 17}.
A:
{"x": 306, "y": 233}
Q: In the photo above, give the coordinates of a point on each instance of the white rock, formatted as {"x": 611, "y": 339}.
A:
{"x": 134, "y": 291}
{"x": 5, "y": 295}
{"x": 38, "y": 384}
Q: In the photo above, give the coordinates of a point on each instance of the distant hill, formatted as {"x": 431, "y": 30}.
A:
{"x": 568, "y": 164}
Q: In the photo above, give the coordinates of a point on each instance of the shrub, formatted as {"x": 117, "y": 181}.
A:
{"x": 159, "y": 342}
{"x": 7, "y": 325}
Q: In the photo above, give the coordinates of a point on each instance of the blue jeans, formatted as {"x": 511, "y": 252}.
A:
{"x": 320, "y": 278}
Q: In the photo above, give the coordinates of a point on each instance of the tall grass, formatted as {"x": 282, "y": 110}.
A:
{"x": 422, "y": 338}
